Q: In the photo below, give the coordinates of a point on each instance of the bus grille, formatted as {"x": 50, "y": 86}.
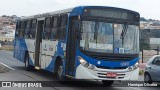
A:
{"x": 112, "y": 57}
{"x": 102, "y": 67}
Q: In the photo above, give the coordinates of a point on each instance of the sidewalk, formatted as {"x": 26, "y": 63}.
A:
{"x": 141, "y": 78}
{"x": 3, "y": 69}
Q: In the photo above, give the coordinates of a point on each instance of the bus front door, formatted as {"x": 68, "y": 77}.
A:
{"x": 71, "y": 47}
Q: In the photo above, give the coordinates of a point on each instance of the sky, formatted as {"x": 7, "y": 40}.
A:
{"x": 146, "y": 8}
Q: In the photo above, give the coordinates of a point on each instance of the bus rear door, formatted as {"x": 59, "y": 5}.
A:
{"x": 38, "y": 44}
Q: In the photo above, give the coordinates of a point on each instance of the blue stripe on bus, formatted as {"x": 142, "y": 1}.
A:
{"x": 107, "y": 63}
{"x": 30, "y": 61}
{"x": 20, "y": 49}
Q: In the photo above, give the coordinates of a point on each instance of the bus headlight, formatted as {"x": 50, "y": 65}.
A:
{"x": 91, "y": 66}
{"x": 134, "y": 67}
{"x": 130, "y": 68}
{"x": 83, "y": 62}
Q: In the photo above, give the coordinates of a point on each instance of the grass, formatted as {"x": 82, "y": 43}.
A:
{"x": 141, "y": 72}
{"x": 8, "y": 48}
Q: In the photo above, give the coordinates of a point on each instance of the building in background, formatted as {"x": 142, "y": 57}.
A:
{"x": 154, "y": 43}
{"x": 7, "y": 35}
{"x": 7, "y": 28}
{"x": 150, "y": 24}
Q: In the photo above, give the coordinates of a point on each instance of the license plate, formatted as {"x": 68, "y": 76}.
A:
{"x": 112, "y": 75}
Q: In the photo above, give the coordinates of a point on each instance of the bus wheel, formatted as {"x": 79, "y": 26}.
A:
{"x": 60, "y": 72}
{"x": 107, "y": 82}
{"x": 27, "y": 66}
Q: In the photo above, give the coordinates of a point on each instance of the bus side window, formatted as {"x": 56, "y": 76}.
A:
{"x": 47, "y": 28}
{"x": 54, "y": 30}
{"x": 33, "y": 29}
{"x": 27, "y": 29}
{"x": 63, "y": 26}
{"x": 17, "y": 29}
{"x": 22, "y": 29}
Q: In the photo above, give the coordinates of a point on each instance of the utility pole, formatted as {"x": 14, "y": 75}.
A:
{"x": 157, "y": 50}
{"x": 142, "y": 55}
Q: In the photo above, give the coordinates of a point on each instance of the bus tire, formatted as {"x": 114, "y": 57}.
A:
{"x": 27, "y": 66}
{"x": 107, "y": 82}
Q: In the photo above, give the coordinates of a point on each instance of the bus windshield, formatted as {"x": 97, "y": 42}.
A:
{"x": 109, "y": 37}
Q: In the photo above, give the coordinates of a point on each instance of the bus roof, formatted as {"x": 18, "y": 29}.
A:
{"x": 78, "y": 9}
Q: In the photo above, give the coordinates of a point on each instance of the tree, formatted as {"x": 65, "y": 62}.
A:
{"x": 142, "y": 19}
{"x": 4, "y": 15}
{"x": 144, "y": 45}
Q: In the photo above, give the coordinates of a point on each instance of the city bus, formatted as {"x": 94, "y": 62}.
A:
{"x": 84, "y": 42}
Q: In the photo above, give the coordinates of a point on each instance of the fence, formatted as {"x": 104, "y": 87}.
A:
{"x": 147, "y": 54}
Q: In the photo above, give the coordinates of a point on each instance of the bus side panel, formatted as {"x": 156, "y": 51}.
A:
{"x": 31, "y": 50}
{"x": 51, "y": 55}
{"x": 19, "y": 49}
{"x": 57, "y": 51}
{"x": 29, "y": 45}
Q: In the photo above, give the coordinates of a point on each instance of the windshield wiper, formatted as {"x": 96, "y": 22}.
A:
{"x": 124, "y": 31}
{"x": 96, "y": 32}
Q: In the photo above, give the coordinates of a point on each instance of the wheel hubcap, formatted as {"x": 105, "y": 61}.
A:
{"x": 146, "y": 78}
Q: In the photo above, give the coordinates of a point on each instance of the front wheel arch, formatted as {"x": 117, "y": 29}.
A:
{"x": 59, "y": 69}
{"x": 57, "y": 62}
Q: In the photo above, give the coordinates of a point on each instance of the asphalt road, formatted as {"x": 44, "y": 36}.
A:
{"x": 13, "y": 70}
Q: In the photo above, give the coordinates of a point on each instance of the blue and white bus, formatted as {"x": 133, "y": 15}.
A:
{"x": 85, "y": 42}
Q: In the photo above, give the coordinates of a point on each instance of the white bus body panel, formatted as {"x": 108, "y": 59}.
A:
{"x": 48, "y": 51}
{"x": 31, "y": 48}
{"x": 122, "y": 74}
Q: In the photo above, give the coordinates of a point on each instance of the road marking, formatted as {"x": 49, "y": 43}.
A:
{"x": 7, "y": 66}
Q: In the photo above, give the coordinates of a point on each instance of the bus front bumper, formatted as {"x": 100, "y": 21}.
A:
{"x": 100, "y": 74}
